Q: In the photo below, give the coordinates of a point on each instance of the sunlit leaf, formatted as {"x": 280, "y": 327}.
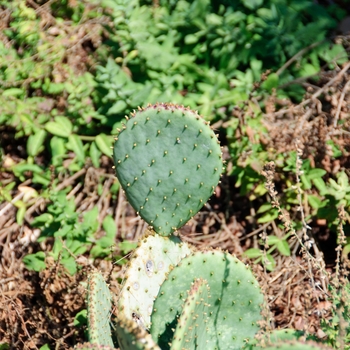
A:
{"x": 62, "y": 126}
{"x": 76, "y": 145}
{"x": 253, "y": 253}
{"x": 104, "y": 143}
{"x": 35, "y": 262}
{"x": 35, "y": 142}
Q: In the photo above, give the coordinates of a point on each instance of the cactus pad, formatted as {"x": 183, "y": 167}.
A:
{"x": 235, "y": 303}
{"x": 89, "y": 346}
{"x": 132, "y": 337}
{"x": 297, "y": 345}
{"x": 147, "y": 269}
{"x": 99, "y": 302}
{"x": 168, "y": 161}
{"x": 192, "y": 323}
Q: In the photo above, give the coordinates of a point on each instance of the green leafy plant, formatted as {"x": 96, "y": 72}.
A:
{"x": 73, "y": 233}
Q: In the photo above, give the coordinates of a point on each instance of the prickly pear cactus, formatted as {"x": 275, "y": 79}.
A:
{"x": 296, "y": 345}
{"x": 89, "y": 346}
{"x": 235, "y": 303}
{"x": 132, "y": 337}
{"x": 146, "y": 271}
{"x": 192, "y": 323}
{"x": 99, "y": 302}
{"x": 279, "y": 335}
{"x": 168, "y": 161}
{"x": 275, "y": 336}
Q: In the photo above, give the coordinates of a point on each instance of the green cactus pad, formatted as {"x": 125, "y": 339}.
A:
{"x": 147, "y": 269}
{"x": 99, "y": 302}
{"x": 89, "y": 346}
{"x": 235, "y": 304}
{"x": 297, "y": 345}
{"x": 276, "y": 336}
{"x": 168, "y": 161}
{"x": 132, "y": 337}
{"x": 191, "y": 327}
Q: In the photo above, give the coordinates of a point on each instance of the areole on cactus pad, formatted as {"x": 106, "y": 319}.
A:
{"x": 168, "y": 161}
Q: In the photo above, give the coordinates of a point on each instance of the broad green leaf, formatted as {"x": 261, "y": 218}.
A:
{"x": 95, "y": 155}
{"x": 335, "y": 54}
{"x": 45, "y": 347}
{"x": 43, "y": 179}
{"x": 334, "y": 185}
{"x": 19, "y": 204}
{"x": 13, "y": 92}
{"x": 343, "y": 180}
{"x": 104, "y": 143}
{"x": 253, "y": 253}
{"x": 314, "y": 201}
{"x": 316, "y": 173}
{"x": 346, "y": 251}
{"x": 58, "y": 148}
{"x": 115, "y": 187}
{"x": 70, "y": 264}
{"x": 320, "y": 185}
{"x": 191, "y": 39}
{"x": 109, "y": 226}
{"x": 21, "y": 168}
{"x": 42, "y": 219}
{"x": 55, "y": 88}
{"x": 75, "y": 247}
{"x": 268, "y": 216}
{"x": 336, "y": 151}
{"x": 308, "y": 70}
{"x": 35, "y": 262}
{"x": 20, "y": 215}
{"x": 306, "y": 182}
{"x": 106, "y": 242}
{"x": 271, "y": 240}
{"x": 62, "y": 126}
{"x": 80, "y": 318}
{"x": 90, "y": 219}
{"x": 264, "y": 208}
{"x": 76, "y": 145}
{"x": 271, "y": 82}
{"x": 57, "y": 248}
{"x": 35, "y": 143}
{"x": 117, "y": 108}
{"x": 10, "y": 186}
{"x": 98, "y": 251}
{"x": 283, "y": 247}
{"x": 270, "y": 264}
{"x": 252, "y": 4}
{"x": 127, "y": 246}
